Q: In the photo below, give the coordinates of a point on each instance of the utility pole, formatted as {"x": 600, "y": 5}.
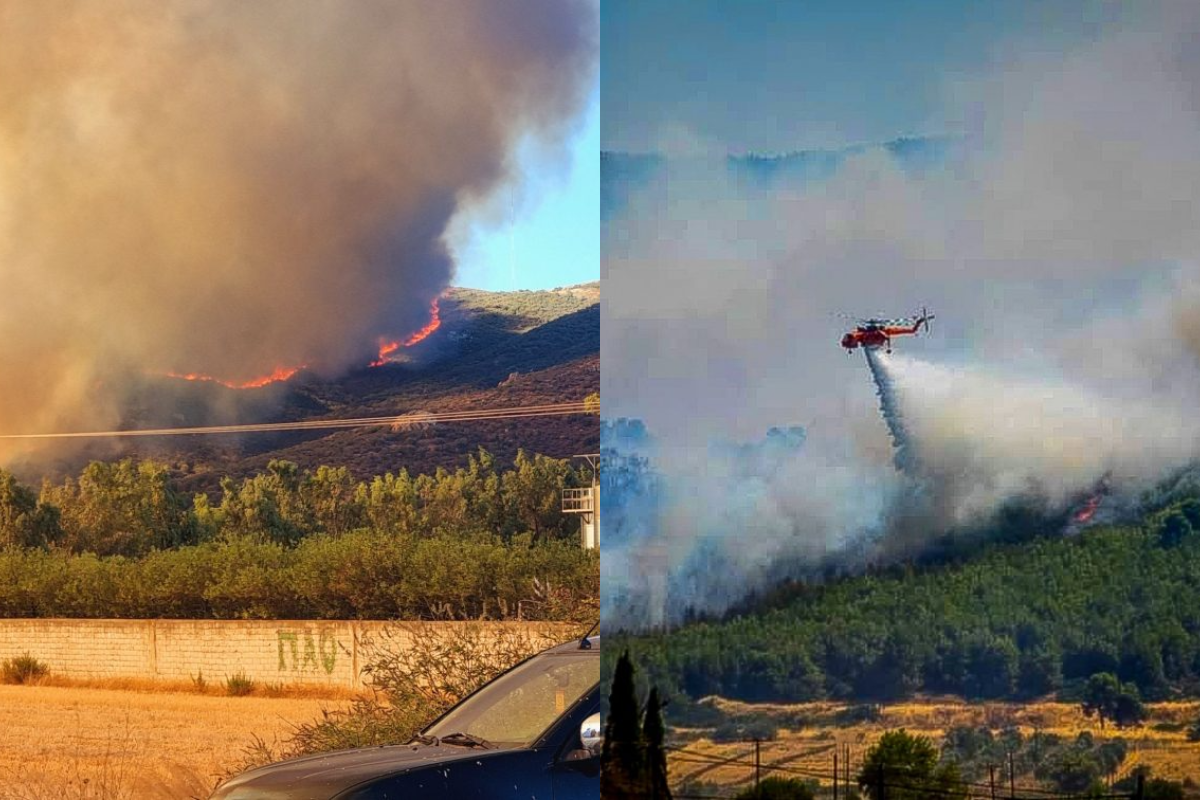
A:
{"x": 585, "y": 501}
{"x": 1012, "y": 776}
{"x": 757, "y": 767}
{"x": 992, "y": 779}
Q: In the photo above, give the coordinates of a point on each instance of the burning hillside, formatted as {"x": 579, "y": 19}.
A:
{"x": 227, "y": 193}
{"x": 386, "y": 349}
{"x": 281, "y": 374}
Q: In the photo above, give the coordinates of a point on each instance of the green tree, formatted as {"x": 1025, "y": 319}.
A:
{"x": 622, "y": 757}
{"x": 331, "y": 498}
{"x": 533, "y": 493}
{"x": 905, "y": 767}
{"x": 267, "y": 507}
{"x": 1175, "y": 528}
{"x": 992, "y": 666}
{"x": 654, "y": 734}
{"x": 123, "y": 508}
{"x": 1072, "y": 769}
{"x": 1039, "y": 670}
{"x": 1106, "y": 698}
{"x": 390, "y": 503}
{"x": 1142, "y": 665}
{"x": 24, "y": 522}
{"x": 1163, "y": 789}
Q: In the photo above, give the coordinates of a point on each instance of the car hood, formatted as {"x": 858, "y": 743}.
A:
{"x": 320, "y": 777}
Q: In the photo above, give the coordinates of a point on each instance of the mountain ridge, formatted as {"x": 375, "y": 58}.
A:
{"x": 491, "y": 350}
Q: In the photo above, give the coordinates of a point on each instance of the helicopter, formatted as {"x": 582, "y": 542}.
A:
{"x": 874, "y": 333}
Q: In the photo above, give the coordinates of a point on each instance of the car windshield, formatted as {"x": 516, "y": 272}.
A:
{"x": 516, "y": 708}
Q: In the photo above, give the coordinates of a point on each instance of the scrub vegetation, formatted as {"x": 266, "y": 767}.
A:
{"x": 415, "y": 675}
{"x": 120, "y": 540}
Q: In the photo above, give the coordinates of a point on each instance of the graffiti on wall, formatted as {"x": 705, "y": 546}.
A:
{"x": 301, "y": 651}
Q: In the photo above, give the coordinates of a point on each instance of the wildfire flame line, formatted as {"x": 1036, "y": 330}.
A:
{"x": 280, "y": 374}
{"x": 285, "y": 373}
{"x": 518, "y": 412}
{"x": 387, "y": 348}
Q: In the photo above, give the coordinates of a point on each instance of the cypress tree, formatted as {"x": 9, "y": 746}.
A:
{"x": 623, "y": 755}
{"x": 656, "y": 756}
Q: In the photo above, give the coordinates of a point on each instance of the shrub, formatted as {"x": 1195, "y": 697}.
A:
{"x": 23, "y": 669}
{"x": 775, "y": 788}
{"x": 745, "y": 729}
{"x": 1193, "y": 733}
{"x": 238, "y": 685}
{"x": 863, "y": 713}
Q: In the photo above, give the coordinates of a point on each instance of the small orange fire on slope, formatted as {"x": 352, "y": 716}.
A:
{"x": 280, "y": 374}
{"x": 1088, "y": 511}
{"x": 387, "y": 348}
{"x": 1085, "y": 513}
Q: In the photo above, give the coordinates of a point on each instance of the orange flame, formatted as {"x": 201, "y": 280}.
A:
{"x": 387, "y": 348}
{"x": 284, "y": 373}
{"x": 1089, "y": 509}
{"x": 280, "y": 374}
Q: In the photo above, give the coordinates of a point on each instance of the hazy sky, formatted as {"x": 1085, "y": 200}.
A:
{"x": 553, "y": 238}
{"x": 769, "y": 76}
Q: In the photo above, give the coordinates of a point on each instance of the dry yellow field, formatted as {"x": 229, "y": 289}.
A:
{"x": 808, "y": 752}
{"x": 109, "y": 744}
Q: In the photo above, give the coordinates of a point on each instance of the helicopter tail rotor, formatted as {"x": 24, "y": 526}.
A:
{"x": 925, "y": 317}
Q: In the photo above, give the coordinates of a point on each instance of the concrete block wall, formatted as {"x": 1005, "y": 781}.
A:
{"x": 267, "y": 651}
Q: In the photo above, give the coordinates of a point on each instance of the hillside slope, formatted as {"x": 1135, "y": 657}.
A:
{"x": 1013, "y": 621}
{"x": 492, "y": 349}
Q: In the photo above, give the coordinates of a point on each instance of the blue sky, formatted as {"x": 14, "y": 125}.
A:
{"x": 554, "y": 239}
{"x": 769, "y": 76}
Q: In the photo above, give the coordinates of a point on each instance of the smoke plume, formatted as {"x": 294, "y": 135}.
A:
{"x": 1055, "y": 239}
{"x": 231, "y": 188}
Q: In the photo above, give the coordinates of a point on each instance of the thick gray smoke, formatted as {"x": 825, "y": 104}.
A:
{"x": 1057, "y": 244}
{"x": 227, "y": 188}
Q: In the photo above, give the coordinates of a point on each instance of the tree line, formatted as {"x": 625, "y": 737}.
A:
{"x": 120, "y": 540}
{"x": 1013, "y": 622}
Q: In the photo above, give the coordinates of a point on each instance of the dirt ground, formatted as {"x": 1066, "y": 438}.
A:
{"x": 112, "y": 744}
{"x": 808, "y": 751}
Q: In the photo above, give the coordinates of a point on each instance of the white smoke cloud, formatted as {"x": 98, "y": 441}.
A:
{"x": 986, "y": 436}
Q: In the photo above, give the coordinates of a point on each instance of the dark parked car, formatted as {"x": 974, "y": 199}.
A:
{"x": 533, "y": 733}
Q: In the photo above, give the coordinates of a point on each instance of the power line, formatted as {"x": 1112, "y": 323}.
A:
{"x": 890, "y": 782}
{"x": 394, "y": 421}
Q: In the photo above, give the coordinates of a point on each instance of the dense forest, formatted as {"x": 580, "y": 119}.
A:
{"x": 1015, "y": 620}
{"x": 120, "y": 540}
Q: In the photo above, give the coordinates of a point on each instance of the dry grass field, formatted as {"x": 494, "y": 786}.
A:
{"x": 125, "y": 740}
{"x": 808, "y": 750}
